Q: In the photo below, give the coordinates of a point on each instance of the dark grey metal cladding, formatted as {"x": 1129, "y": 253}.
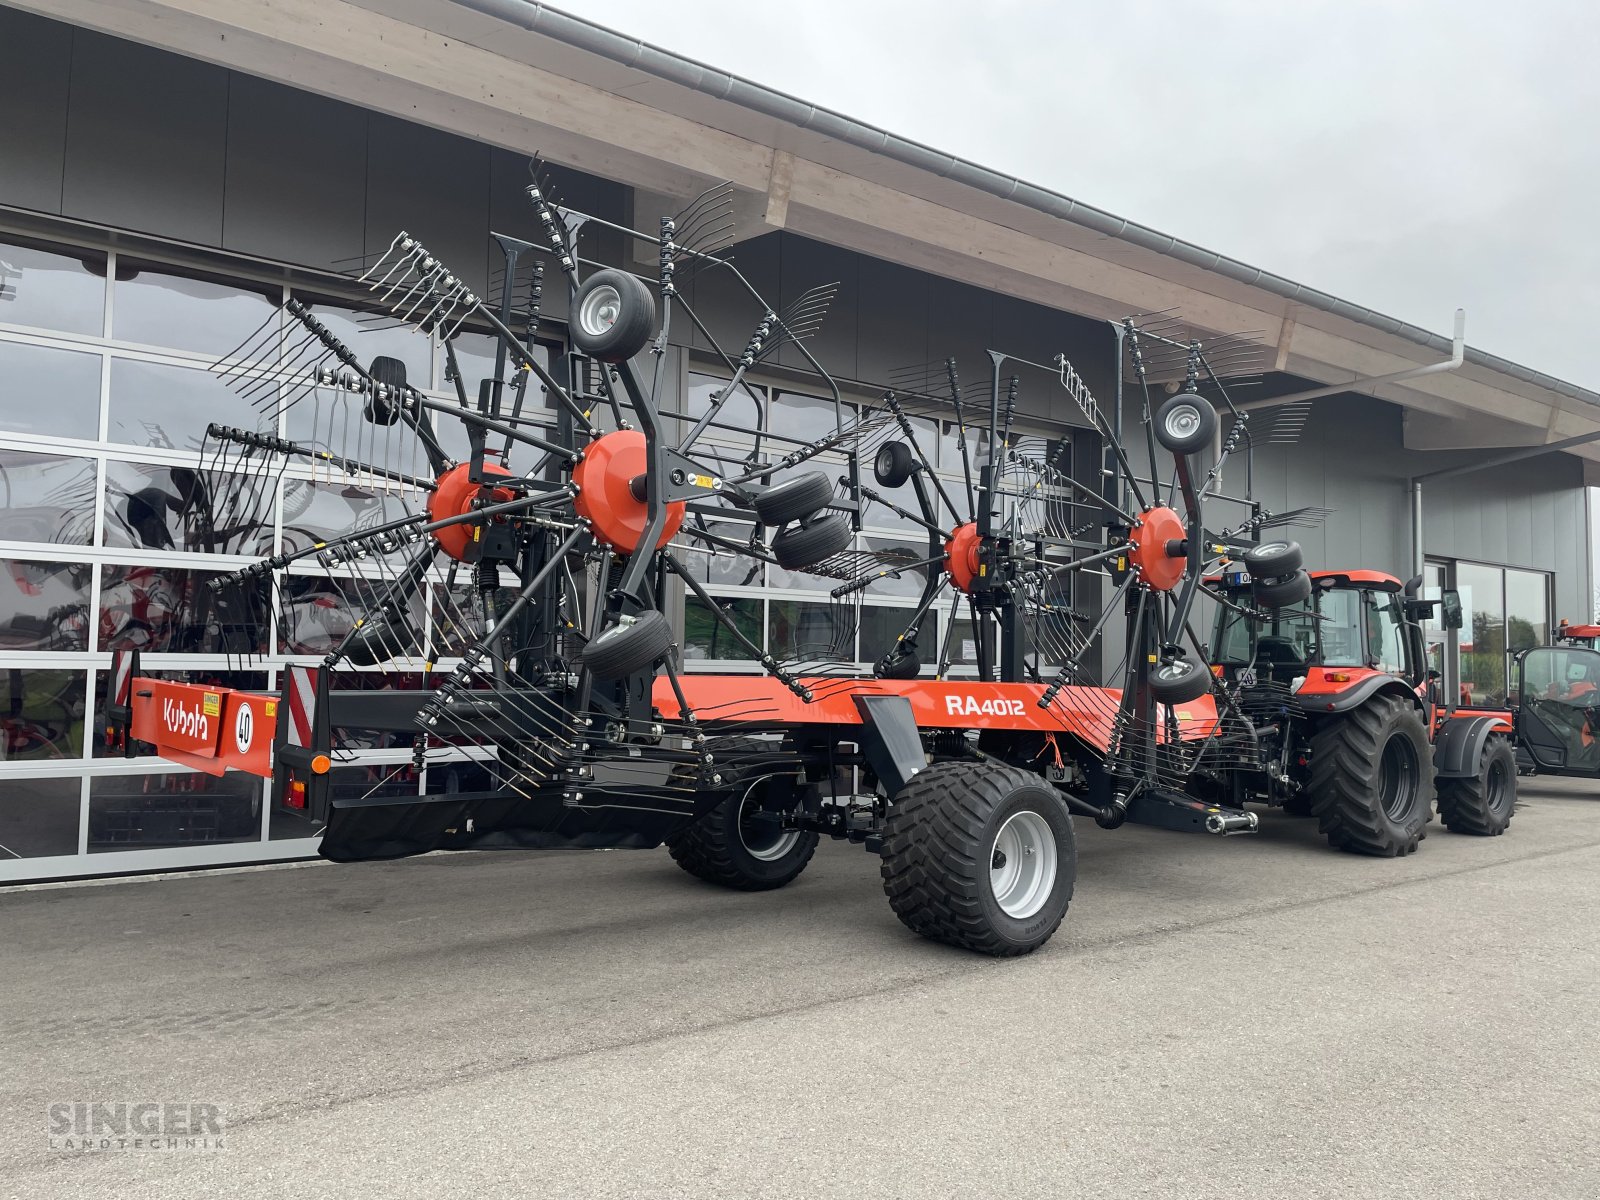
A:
{"x": 33, "y": 95}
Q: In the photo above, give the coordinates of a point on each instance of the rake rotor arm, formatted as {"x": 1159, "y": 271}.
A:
{"x": 278, "y": 445}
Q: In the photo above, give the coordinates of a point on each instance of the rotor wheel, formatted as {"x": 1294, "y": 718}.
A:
{"x": 736, "y": 843}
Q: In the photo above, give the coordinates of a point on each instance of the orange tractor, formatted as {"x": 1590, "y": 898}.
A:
{"x": 1331, "y": 692}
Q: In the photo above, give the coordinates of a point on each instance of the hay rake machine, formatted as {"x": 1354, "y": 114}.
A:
{"x": 528, "y": 583}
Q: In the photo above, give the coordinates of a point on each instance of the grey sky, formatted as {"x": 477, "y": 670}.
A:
{"x": 1409, "y": 156}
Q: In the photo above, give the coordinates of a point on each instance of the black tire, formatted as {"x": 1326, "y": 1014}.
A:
{"x": 613, "y": 316}
{"x": 1371, "y": 782}
{"x": 392, "y": 372}
{"x": 1179, "y": 681}
{"x": 1273, "y": 560}
{"x": 1186, "y": 423}
{"x": 802, "y": 546}
{"x": 898, "y": 664}
{"x": 795, "y": 498}
{"x": 1281, "y": 593}
{"x": 893, "y": 464}
{"x": 939, "y": 856}
{"x": 1483, "y": 804}
{"x": 626, "y": 648}
{"x": 729, "y": 847}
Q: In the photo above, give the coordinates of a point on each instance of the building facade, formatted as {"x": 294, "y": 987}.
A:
{"x": 156, "y": 208}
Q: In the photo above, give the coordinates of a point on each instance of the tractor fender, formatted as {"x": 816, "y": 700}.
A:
{"x": 1356, "y": 695}
{"x": 1459, "y": 744}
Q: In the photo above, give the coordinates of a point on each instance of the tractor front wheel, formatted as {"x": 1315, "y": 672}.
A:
{"x": 1371, "y": 780}
{"x": 1482, "y": 804}
{"x": 979, "y": 856}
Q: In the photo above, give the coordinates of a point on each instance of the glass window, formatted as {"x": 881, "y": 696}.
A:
{"x": 882, "y": 627}
{"x": 1385, "y": 640}
{"x": 52, "y": 291}
{"x": 41, "y": 714}
{"x": 43, "y": 390}
{"x": 315, "y": 512}
{"x": 1483, "y": 633}
{"x": 1527, "y": 610}
{"x": 316, "y": 612}
{"x": 371, "y": 335}
{"x": 706, "y": 637}
{"x": 46, "y": 498}
{"x": 161, "y": 608}
{"x": 177, "y": 508}
{"x": 156, "y": 307}
{"x": 39, "y": 818}
{"x": 738, "y": 417}
{"x": 1339, "y": 630}
{"x": 44, "y": 605}
{"x": 896, "y": 558}
{"x": 719, "y": 564}
{"x": 170, "y": 407}
{"x": 800, "y": 631}
{"x": 136, "y": 812}
{"x": 807, "y": 418}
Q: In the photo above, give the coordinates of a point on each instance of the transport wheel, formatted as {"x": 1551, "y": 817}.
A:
{"x": 979, "y": 856}
{"x": 794, "y": 498}
{"x": 626, "y": 648}
{"x": 893, "y": 464}
{"x": 1186, "y": 423}
{"x": 1179, "y": 681}
{"x": 1483, "y": 803}
{"x": 1372, "y": 779}
{"x": 615, "y": 316}
{"x": 805, "y": 545}
{"x": 735, "y": 843}
{"x": 1273, "y": 560}
{"x": 1280, "y": 593}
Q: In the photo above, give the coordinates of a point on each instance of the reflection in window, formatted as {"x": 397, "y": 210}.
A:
{"x": 374, "y": 335}
{"x": 46, "y": 498}
{"x": 41, "y": 714}
{"x": 800, "y": 631}
{"x": 881, "y": 628}
{"x": 51, "y": 291}
{"x": 178, "y": 508}
{"x": 315, "y": 512}
{"x": 169, "y": 407}
{"x": 133, "y": 812}
{"x": 897, "y": 556}
{"x": 739, "y": 416}
{"x": 169, "y": 609}
{"x": 1483, "y": 633}
{"x": 49, "y": 391}
{"x": 1527, "y": 610}
{"x": 316, "y": 612}
{"x": 705, "y": 637}
{"x": 158, "y": 308}
{"x": 39, "y": 817}
{"x": 44, "y": 605}
{"x": 806, "y": 418}
{"x": 720, "y": 564}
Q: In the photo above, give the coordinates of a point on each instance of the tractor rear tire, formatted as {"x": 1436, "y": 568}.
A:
{"x": 979, "y": 856}
{"x": 1371, "y": 782}
{"x": 1482, "y": 804}
{"x": 734, "y": 845}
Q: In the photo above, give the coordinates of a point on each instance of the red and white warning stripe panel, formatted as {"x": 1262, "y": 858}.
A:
{"x": 300, "y": 690}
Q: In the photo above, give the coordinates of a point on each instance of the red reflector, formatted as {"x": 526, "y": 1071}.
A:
{"x": 295, "y": 797}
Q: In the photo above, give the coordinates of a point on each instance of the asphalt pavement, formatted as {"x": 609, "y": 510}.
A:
{"x": 1252, "y": 1016}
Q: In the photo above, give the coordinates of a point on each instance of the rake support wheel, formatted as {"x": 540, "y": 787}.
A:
{"x": 794, "y": 498}
{"x": 734, "y": 844}
{"x": 979, "y": 856}
{"x": 626, "y": 648}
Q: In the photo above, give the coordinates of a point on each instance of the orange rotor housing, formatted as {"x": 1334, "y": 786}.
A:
{"x": 604, "y": 479}
{"x": 1159, "y": 527}
{"x": 962, "y": 555}
{"x": 452, "y": 496}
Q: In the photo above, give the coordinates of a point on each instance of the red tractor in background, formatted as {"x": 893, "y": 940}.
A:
{"x": 1331, "y": 691}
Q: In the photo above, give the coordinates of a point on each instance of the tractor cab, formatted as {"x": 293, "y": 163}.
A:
{"x": 1558, "y": 706}
{"x": 1355, "y": 625}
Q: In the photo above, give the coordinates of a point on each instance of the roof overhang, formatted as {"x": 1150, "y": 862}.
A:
{"x": 533, "y": 79}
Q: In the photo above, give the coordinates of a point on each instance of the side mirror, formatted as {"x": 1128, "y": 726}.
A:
{"x": 1451, "y": 602}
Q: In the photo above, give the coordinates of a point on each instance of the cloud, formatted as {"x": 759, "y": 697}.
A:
{"x": 1407, "y": 157}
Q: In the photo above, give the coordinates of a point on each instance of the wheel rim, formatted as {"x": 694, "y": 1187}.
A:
{"x": 761, "y": 833}
{"x": 600, "y": 310}
{"x": 1496, "y": 792}
{"x": 1397, "y": 779}
{"x": 1183, "y": 422}
{"x": 1022, "y": 865}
